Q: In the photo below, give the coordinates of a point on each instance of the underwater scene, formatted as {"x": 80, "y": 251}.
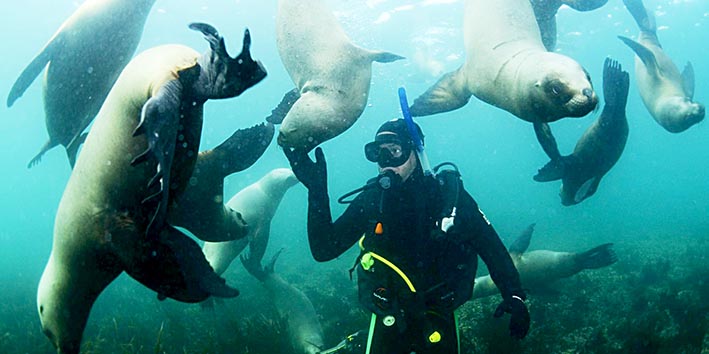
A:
{"x": 576, "y": 125}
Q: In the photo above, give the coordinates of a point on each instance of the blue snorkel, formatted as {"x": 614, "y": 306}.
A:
{"x": 418, "y": 143}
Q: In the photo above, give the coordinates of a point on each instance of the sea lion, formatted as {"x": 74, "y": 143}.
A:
{"x": 507, "y": 66}
{"x": 257, "y": 204}
{"x": 304, "y": 329}
{"x": 666, "y": 93}
{"x": 200, "y": 209}
{"x": 83, "y": 60}
{"x": 545, "y": 13}
{"x": 332, "y": 74}
{"x": 538, "y": 269}
{"x": 107, "y": 221}
{"x": 600, "y": 146}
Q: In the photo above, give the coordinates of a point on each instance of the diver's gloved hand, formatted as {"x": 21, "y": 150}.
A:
{"x": 519, "y": 316}
{"x": 313, "y": 175}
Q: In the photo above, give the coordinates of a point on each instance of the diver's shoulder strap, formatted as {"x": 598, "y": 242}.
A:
{"x": 449, "y": 182}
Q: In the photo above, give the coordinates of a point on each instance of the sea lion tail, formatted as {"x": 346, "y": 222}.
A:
{"x": 449, "y": 93}
{"x": 616, "y": 83}
{"x": 174, "y": 266}
{"x": 597, "y": 257}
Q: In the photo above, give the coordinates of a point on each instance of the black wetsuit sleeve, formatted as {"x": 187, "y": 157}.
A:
{"x": 490, "y": 248}
{"x": 328, "y": 239}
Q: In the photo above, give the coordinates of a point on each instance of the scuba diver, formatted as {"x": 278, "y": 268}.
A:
{"x": 420, "y": 234}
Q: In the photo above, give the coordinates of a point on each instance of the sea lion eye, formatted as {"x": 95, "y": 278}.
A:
{"x": 555, "y": 89}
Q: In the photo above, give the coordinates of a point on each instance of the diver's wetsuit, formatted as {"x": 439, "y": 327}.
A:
{"x": 440, "y": 266}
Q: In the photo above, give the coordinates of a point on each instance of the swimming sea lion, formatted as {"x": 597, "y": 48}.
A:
{"x": 83, "y": 60}
{"x": 200, "y": 209}
{"x": 666, "y": 93}
{"x": 331, "y": 74}
{"x": 106, "y": 222}
{"x": 507, "y": 66}
{"x": 538, "y": 269}
{"x": 599, "y": 148}
{"x": 257, "y": 204}
{"x": 545, "y": 13}
{"x": 304, "y": 329}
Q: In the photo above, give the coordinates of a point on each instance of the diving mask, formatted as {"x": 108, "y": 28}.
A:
{"x": 387, "y": 154}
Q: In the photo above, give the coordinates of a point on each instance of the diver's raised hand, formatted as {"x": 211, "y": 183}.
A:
{"x": 313, "y": 175}
{"x": 519, "y": 316}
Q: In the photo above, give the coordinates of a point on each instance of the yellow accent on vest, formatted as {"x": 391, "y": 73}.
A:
{"x": 366, "y": 261}
{"x": 370, "y": 255}
{"x": 435, "y": 337}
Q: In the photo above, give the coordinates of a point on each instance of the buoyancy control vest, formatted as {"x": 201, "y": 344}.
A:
{"x": 437, "y": 275}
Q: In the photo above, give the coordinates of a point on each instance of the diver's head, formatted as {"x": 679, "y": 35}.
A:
{"x": 393, "y": 149}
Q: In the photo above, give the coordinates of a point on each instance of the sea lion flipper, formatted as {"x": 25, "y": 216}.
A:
{"x": 547, "y": 140}
{"x": 521, "y": 244}
{"x": 174, "y": 266}
{"x": 38, "y": 158}
{"x": 647, "y": 57}
{"x": 270, "y": 267}
{"x": 216, "y": 41}
{"x": 688, "y": 80}
{"x": 159, "y": 121}
{"x": 584, "y": 5}
{"x": 644, "y": 19}
{"x": 554, "y": 169}
{"x": 449, "y": 93}
{"x": 258, "y": 245}
{"x": 280, "y": 112}
{"x": 547, "y": 29}
{"x": 241, "y": 150}
{"x": 587, "y": 189}
{"x": 384, "y": 57}
{"x": 73, "y": 148}
{"x": 253, "y": 267}
{"x": 616, "y": 83}
{"x": 597, "y": 257}
{"x": 34, "y": 68}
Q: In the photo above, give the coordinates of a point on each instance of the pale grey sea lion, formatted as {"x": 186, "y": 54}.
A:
{"x": 667, "y": 94}
{"x": 304, "y": 329}
{"x": 541, "y": 268}
{"x": 257, "y": 204}
{"x": 106, "y": 222}
{"x": 508, "y": 67}
{"x": 600, "y": 146}
{"x": 83, "y": 60}
{"x": 331, "y": 74}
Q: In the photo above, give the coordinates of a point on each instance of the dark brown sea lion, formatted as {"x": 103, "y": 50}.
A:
{"x": 599, "y": 148}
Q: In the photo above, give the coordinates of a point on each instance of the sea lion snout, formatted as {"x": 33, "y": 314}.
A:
{"x": 582, "y": 103}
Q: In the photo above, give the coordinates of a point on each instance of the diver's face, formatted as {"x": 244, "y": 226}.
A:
{"x": 404, "y": 170}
